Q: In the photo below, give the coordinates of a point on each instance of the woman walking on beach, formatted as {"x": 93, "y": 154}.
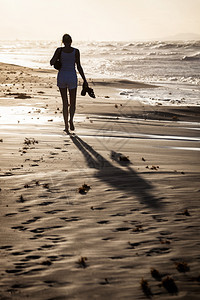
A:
{"x": 67, "y": 77}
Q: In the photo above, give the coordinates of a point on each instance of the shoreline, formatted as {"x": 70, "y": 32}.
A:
{"x": 107, "y": 92}
{"x": 140, "y": 210}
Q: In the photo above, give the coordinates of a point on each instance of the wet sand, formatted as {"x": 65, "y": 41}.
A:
{"x": 133, "y": 231}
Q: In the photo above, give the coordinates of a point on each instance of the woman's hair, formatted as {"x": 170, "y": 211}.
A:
{"x": 67, "y": 39}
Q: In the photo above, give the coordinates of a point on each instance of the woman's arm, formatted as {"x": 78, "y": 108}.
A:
{"x": 79, "y": 67}
{"x": 55, "y": 56}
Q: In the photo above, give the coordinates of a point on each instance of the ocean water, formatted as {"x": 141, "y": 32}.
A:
{"x": 173, "y": 66}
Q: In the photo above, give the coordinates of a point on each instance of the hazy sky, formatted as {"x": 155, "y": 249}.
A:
{"x": 98, "y": 19}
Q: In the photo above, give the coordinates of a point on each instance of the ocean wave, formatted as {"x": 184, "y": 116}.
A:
{"x": 167, "y": 45}
{"x": 161, "y": 54}
{"x": 195, "y": 56}
{"x": 175, "y": 45}
{"x": 129, "y": 45}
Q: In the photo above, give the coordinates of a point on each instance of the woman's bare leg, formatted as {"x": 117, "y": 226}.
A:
{"x": 63, "y": 92}
{"x": 72, "y": 108}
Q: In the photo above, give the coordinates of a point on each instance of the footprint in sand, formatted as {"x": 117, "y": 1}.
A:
{"x": 19, "y": 286}
{"x": 13, "y": 271}
{"x": 72, "y": 219}
{"x": 122, "y": 229}
{"x": 117, "y": 257}
{"x": 45, "y": 203}
{"x": 97, "y": 208}
{"x": 44, "y": 247}
{"x": 20, "y": 228}
{"x": 42, "y": 229}
{"x": 158, "y": 251}
{"x": 133, "y": 245}
{"x": 58, "y": 257}
{"x": 32, "y": 220}
{"x": 53, "y": 283}
{"x": 107, "y": 239}
{"x": 55, "y": 211}
{"x": 31, "y": 257}
{"x": 159, "y": 218}
{"x": 7, "y": 248}
{"x": 165, "y": 232}
{"x": 10, "y": 214}
{"x": 33, "y": 271}
{"x": 119, "y": 215}
{"x": 56, "y": 240}
{"x": 23, "y": 210}
{"x": 103, "y": 222}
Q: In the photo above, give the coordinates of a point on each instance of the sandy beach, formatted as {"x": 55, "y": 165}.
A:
{"x": 108, "y": 212}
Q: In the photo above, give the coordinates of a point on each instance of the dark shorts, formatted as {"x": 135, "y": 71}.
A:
{"x": 67, "y": 80}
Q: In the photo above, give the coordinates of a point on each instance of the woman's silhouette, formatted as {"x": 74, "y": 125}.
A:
{"x": 67, "y": 78}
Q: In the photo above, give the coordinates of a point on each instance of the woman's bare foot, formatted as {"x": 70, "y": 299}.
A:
{"x": 71, "y": 125}
{"x": 66, "y": 130}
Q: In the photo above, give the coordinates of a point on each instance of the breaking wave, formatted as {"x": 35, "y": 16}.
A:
{"x": 195, "y": 56}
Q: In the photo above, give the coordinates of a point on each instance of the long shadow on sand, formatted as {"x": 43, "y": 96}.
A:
{"x": 124, "y": 179}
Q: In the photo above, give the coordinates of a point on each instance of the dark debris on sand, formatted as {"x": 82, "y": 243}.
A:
{"x": 82, "y": 262}
{"x": 119, "y": 157}
{"x": 182, "y": 267}
{"x": 186, "y": 213}
{"x": 30, "y": 141}
{"x": 145, "y": 287}
{"x": 84, "y": 189}
{"x": 156, "y": 274}
{"x": 21, "y": 199}
{"x": 19, "y": 95}
{"x": 170, "y": 285}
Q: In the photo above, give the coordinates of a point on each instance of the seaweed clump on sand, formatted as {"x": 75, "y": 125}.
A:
{"x": 84, "y": 189}
{"x": 186, "y": 213}
{"x": 170, "y": 285}
{"x": 30, "y": 141}
{"x": 119, "y": 157}
{"x": 21, "y": 199}
{"x": 82, "y": 262}
{"x": 156, "y": 274}
{"x": 145, "y": 287}
{"x": 182, "y": 267}
{"x": 19, "y": 95}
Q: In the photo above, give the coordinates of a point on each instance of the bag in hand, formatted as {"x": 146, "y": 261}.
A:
{"x": 58, "y": 64}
